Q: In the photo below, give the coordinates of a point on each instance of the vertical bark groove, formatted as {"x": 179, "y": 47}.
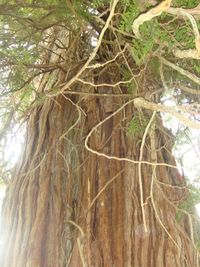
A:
{"x": 48, "y": 217}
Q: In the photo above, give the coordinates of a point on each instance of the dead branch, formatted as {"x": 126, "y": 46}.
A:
{"x": 143, "y": 103}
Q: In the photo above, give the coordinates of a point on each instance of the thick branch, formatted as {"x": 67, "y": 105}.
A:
{"x": 140, "y": 102}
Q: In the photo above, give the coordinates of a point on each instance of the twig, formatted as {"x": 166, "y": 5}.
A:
{"x": 79, "y": 242}
{"x": 140, "y": 169}
{"x": 78, "y": 119}
{"x": 103, "y": 189}
{"x": 97, "y": 94}
{"x": 100, "y": 65}
{"x": 105, "y": 84}
{"x": 153, "y": 179}
{"x": 186, "y": 73}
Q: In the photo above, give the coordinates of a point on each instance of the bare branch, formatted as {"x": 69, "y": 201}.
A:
{"x": 105, "y": 84}
{"x": 140, "y": 169}
{"x": 143, "y": 103}
{"x": 186, "y": 73}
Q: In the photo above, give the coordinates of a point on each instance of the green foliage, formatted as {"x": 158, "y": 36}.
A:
{"x": 154, "y": 65}
{"x": 196, "y": 67}
{"x": 22, "y": 28}
{"x": 127, "y": 76}
{"x": 184, "y": 36}
{"x": 188, "y": 205}
{"x": 157, "y": 32}
{"x": 182, "y": 137}
{"x": 192, "y": 199}
{"x": 141, "y": 48}
{"x": 131, "y": 11}
{"x": 100, "y": 3}
{"x": 137, "y": 125}
{"x": 185, "y": 3}
{"x": 191, "y": 64}
{"x": 26, "y": 99}
{"x": 161, "y": 31}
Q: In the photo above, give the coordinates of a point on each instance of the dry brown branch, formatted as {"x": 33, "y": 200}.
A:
{"x": 163, "y": 78}
{"x": 189, "y": 53}
{"x": 105, "y": 84}
{"x": 80, "y": 243}
{"x": 190, "y": 216}
{"x": 192, "y": 109}
{"x": 172, "y": 186}
{"x": 97, "y": 94}
{"x": 100, "y": 65}
{"x": 103, "y": 189}
{"x": 126, "y": 61}
{"x": 143, "y": 103}
{"x": 79, "y": 110}
{"x": 189, "y": 90}
{"x": 140, "y": 169}
{"x": 189, "y": 108}
{"x": 186, "y": 73}
{"x": 153, "y": 180}
{"x": 156, "y": 211}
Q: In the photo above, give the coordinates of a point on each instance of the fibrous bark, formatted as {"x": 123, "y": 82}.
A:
{"x": 67, "y": 206}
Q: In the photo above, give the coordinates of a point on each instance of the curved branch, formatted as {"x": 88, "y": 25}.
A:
{"x": 150, "y": 14}
{"x": 165, "y": 7}
{"x": 101, "y": 154}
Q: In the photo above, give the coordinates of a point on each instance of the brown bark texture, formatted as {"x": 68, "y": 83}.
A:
{"x": 67, "y": 206}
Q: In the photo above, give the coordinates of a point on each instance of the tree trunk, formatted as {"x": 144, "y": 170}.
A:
{"x": 67, "y": 206}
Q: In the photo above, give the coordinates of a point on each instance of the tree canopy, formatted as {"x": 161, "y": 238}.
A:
{"x": 163, "y": 42}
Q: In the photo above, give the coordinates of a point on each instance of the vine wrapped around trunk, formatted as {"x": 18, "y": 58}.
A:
{"x": 97, "y": 185}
